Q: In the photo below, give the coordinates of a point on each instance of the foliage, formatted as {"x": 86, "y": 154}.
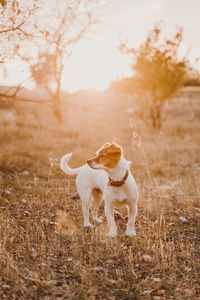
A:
{"x": 3, "y": 3}
{"x": 72, "y": 20}
{"x": 125, "y": 86}
{"x": 159, "y": 72}
{"x": 15, "y": 22}
{"x": 192, "y": 77}
{"x": 45, "y": 37}
{"x": 14, "y": 19}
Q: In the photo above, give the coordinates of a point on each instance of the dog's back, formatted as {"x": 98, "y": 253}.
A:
{"x": 90, "y": 179}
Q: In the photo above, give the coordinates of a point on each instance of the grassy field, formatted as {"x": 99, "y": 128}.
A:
{"x": 45, "y": 253}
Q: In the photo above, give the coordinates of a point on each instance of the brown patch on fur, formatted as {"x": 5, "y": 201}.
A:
{"x": 109, "y": 156}
{"x": 96, "y": 192}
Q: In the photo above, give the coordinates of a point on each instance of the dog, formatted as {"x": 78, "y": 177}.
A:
{"x": 106, "y": 177}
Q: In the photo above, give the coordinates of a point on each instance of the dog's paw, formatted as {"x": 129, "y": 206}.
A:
{"x": 112, "y": 233}
{"x": 98, "y": 220}
{"x": 88, "y": 225}
{"x": 131, "y": 233}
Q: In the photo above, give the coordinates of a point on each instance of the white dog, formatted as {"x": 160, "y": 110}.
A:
{"x": 106, "y": 176}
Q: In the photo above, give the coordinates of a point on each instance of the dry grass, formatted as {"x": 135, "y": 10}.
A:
{"x": 45, "y": 253}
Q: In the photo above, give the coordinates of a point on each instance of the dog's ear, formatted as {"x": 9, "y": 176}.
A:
{"x": 106, "y": 144}
{"x": 115, "y": 144}
{"x": 112, "y": 155}
{"x": 116, "y": 148}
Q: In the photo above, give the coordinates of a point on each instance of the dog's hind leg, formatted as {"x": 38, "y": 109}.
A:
{"x": 109, "y": 212}
{"x": 86, "y": 204}
{"x": 97, "y": 199}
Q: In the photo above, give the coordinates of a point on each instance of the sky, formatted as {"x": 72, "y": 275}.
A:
{"x": 97, "y": 60}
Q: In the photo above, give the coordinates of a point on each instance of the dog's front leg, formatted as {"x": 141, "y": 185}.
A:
{"x": 132, "y": 212}
{"x": 109, "y": 212}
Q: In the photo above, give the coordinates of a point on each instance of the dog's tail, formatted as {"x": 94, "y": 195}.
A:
{"x": 64, "y": 166}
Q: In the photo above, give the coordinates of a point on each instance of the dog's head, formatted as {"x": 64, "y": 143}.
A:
{"x": 107, "y": 156}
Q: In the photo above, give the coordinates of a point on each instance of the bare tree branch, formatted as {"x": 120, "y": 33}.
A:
{"x": 53, "y": 33}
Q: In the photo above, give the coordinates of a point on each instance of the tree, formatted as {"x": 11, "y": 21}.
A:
{"x": 159, "y": 72}
{"x": 192, "y": 77}
{"x": 14, "y": 19}
{"x": 123, "y": 86}
{"x": 72, "y": 21}
{"x": 49, "y": 38}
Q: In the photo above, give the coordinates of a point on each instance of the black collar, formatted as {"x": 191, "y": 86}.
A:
{"x": 116, "y": 182}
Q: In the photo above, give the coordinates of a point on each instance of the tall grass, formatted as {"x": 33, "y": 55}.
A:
{"x": 45, "y": 253}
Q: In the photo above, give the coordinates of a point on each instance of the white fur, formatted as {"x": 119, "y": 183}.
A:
{"x": 89, "y": 181}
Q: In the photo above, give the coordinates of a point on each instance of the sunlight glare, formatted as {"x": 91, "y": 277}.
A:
{"x": 94, "y": 65}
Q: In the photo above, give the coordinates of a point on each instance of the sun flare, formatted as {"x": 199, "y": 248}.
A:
{"x": 94, "y": 65}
